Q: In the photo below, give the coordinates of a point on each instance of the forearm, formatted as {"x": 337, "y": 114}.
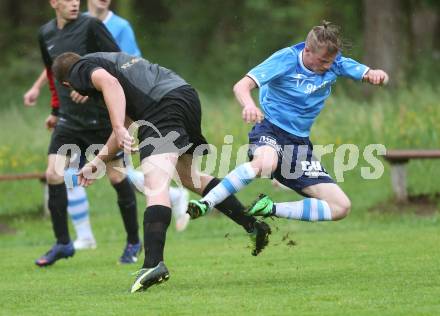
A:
{"x": 41, "y": 81}
{"x": 242, "y": 91}
{"x": 109, "y": 150}
{"x": 31, "y": 96}
{"x": 114, "y": 98}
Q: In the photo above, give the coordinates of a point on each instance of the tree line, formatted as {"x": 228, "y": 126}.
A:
{"x": 215, "y": 42}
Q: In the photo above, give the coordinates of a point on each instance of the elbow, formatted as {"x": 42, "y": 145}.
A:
{"x": 244, "y": 86}
{"x": 237, "y": 88}
{"x": 113, "y": 82}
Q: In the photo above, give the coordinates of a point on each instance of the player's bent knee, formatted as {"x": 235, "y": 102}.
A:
{"x": 341, "y": 209}
{"x": 53, "y": 177}
{"x": 115, "y": 177}
{"x": 114, "y": 172}
{"x": 264, "y": 167}
{"x": 188, "y": 183}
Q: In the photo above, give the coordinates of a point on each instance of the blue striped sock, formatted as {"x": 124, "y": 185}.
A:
{"x": 78, "y": 205}
{"x": 78, "y": 209}
{"x": 310, "y": 210}
{"x": 231, "y": 184}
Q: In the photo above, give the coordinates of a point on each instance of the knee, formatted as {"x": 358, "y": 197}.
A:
{"x": 341, "y": 208}
{"x": 115, "y": 177}
{"x": 264, "y": 167}
{"x": 187, "y": 182}
{"x": 54, "y": 177}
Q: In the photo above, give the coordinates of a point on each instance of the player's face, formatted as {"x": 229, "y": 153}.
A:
{"x": 100, "y": 4}
{"x": 319, "y": 60}
{"x": 66, "y": 9}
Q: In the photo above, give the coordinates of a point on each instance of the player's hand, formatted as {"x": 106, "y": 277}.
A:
{"x": 85, "y": 177}
{"x": 78, "y": 98}
{"x": 51, "y": 122}
{"x": 376, "y": 77}
{"x": 125, "y": 140}
{"x": 31, "y": 96}
{"x": 252, "y": 114}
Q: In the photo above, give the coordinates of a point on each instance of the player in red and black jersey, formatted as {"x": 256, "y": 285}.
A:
{"x": 76, "y": 129}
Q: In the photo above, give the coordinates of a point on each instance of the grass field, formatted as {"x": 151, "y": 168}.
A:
{"x": 372, "y": 263}
{"x": 375, "y": 265}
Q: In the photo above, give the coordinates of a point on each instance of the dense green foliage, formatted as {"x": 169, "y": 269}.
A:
{"x": 214, "y": 43}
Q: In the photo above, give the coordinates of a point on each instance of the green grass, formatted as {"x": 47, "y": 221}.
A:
{"x": 372, "y": 263}
{"x": 387, "y": 265}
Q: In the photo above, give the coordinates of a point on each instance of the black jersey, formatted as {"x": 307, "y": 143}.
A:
{"x": 82, "y": 36}
{"x": 144, "y": 83}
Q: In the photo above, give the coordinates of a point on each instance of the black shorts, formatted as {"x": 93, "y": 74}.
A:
{"x": 74, "y": 143}
{"x": 177, "y": 129}
{"x": 297, "y": 168}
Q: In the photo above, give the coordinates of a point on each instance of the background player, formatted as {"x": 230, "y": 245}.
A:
{"x": 83, "y": 34}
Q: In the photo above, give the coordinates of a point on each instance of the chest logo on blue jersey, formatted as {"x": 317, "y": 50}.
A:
{"x": 310, "y": 88}
{"x": 301, "y": 80}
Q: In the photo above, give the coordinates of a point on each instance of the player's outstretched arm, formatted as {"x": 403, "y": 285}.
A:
{"x": 93, "y": 169}
{"x": 31, "y": 96}
{"x": 376, "y": 77}
{"x": 242, "y": 91}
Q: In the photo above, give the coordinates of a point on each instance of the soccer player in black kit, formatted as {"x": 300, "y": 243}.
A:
{"x": 79, "y": 127}
{"x": 168, "y": 111}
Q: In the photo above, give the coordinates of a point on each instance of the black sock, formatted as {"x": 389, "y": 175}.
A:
{"x": 58, "y": 212}
{"x": 128, "y": 209}
{"x": 157, "y": 218}
{"x": 232, "y": 208}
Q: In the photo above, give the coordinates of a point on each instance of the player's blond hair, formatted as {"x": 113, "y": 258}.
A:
{"x": 324, "y": 36}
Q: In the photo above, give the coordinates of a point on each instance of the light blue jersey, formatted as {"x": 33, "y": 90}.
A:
{"x": 291, "y": 95}
{"x": 123, "y": 33}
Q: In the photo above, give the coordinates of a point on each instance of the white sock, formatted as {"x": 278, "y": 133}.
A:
{"x": 310, "y": 210}
{"x": 78, "y": 209}
{"x": 136, "y": 177}
{"x": 175, "y": 194}
{"x": 179, "y": 200}
{"x": 231, "y": 184}
{"x": 178, "y": 195}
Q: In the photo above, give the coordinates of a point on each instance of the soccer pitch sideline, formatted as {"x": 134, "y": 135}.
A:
{"x": 368, "y": 264}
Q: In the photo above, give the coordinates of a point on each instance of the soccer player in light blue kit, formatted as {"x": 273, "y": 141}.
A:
{"x": 294, "y": 83}
{"x": 120, "y": 28}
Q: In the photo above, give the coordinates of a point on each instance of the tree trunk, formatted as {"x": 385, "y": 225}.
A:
{"x": 387, "y": 36}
